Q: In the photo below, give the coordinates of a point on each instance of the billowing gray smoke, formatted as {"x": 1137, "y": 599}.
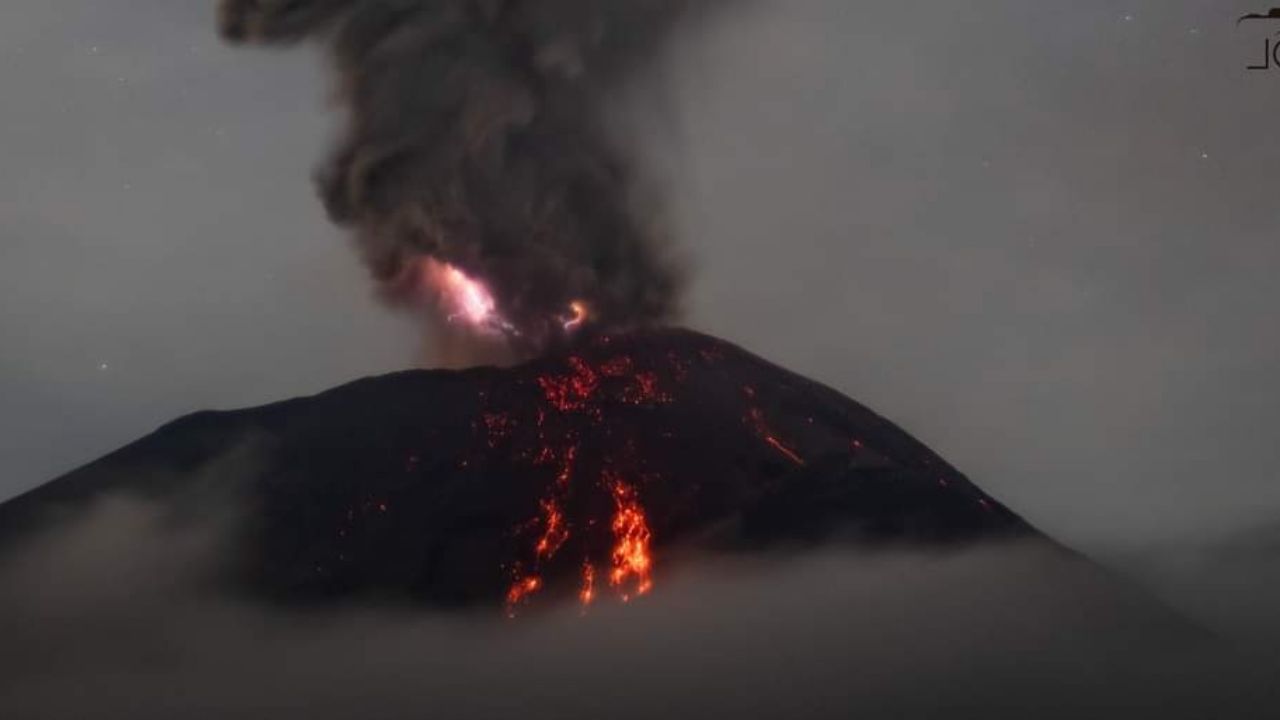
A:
{"x": 477, "y": 137}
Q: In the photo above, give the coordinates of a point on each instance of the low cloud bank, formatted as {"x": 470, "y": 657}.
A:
{"x": 111, "y": 617}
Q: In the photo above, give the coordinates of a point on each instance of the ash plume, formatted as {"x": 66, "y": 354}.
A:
{"x": 476, "y": 137}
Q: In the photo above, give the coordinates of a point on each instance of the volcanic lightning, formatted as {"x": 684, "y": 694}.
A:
{"x": 580, "y": 316}
{"x": 479, "y": 175}
{"x": 477, "y": 138}
{"x": 464, "y": 299}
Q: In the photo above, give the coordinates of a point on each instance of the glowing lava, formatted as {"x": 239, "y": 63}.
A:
{"x": 578, "y": 478}
{"x": 591, "y": 514}
{"x": 588, "y": 592}
{"x": 632, "y": 560}
{"x": 572, "y": 392}
{"x": 464, "y": 298}
{"x": 522, "y": 590}
{"x": 583, "y": 392}
{"x": 755, "y": 418}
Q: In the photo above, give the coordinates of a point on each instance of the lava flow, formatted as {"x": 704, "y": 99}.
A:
{"x": 631, "y": 558}
{"x": 582, "y": 397}
{"x": 593, "y": 430}
{"x": 578, "y": 476}
{"x": 477, "y": 132}
{"x": 468, "y": 301}
{"x": 590, "y": 462}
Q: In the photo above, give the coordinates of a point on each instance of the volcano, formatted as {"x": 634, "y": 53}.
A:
{"x": 575, "y": 477}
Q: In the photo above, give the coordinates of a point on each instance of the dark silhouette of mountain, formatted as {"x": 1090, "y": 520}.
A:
{"x": 579, "y": 473}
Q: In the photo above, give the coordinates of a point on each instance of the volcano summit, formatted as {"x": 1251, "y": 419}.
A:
{"x": 579, "y": 475}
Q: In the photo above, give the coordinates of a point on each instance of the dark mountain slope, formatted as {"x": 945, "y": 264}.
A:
{"x": 577, "y": 473}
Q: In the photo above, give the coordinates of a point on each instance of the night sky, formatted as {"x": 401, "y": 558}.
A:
{"x": 1040, "y": 236}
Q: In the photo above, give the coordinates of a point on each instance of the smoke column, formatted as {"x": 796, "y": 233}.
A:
{"x": 476, "y": 138}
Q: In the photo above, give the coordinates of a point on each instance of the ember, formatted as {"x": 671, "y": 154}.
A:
{"x": 571, "y": 392}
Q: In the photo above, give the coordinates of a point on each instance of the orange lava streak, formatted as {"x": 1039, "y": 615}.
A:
{"x": 555, "y": 533}
{"x": 776, "y": 444}
{"x": 588, "y": 591}
{"x": 755, "y": 418}
{"x": 632, "y": 559}
{"x": 555, "y": 527}
{"x": 584, "y": 389}
{"x": 566, "y": 468}
{"x": 521, "y": 590}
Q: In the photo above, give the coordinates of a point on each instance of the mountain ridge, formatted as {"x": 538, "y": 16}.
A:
{"x": 488, "y": 484}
